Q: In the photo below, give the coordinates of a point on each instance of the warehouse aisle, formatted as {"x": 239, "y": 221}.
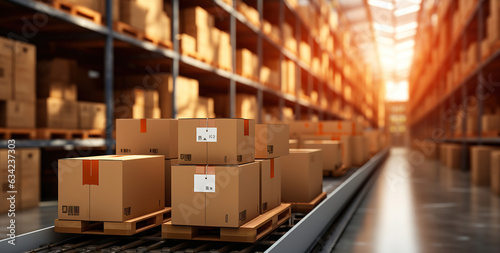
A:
{"x": 423, "y": 208}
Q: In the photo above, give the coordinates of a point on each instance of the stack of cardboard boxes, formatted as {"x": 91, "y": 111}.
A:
{"x": 247, "y": 64}
{"x": 17, "y": 83}
{"x": 246, "y": 106}
{"x": 27, "y": 178}
{"x": 288, "y": 70}
{"x": 217, "y": 180}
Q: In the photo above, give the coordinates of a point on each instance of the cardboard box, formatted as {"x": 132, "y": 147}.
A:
{"x": 187, "y": 44}
{"x": 6, "y": 73}
{"x": 302, "y": 128}
{"x": 270, "y": 184}
{"x": 302, "y": 175}
{"x": 231, "y": 200}
{"x": 24, "y": 87}
{"x": 28, "y": 162}
{"x": 69, "y": 114}
{"x": 453, "y": 156}
{"x": 491, "y": 122}
{"x": 331, "y": 152}
{"x": 480, "y": 164}
{"x": 147, "y": 137}
{"x": 205, "y": 108}
{"x": 56, "y": 70}
{"x": 133, "y": 14}
{"x": 360, "y": 152}
{"x": 17, "y": 114}
{"x": 373, "y": 140}
{"x": 339, "y": 127}
{"x": 186, "y": 97}
{"x": 111, "y": 187}
{"x": 224, "y": 51}
{"x": 246, "y": 63}
{"x": 197, "y": 22}
{"x": 271, "y": 140}
{"x": 293, "y": 144}
{"x": 216, "y": 141}
{"x": 168, "y": 180}
{"x": 91, "y": 115}
{"x": 57, "y": 113}
{"x": 495, "y": 172}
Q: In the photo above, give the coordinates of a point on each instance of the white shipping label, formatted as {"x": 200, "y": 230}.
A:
{"x": 204, "y": 183}
{"x": 206, "y": 134}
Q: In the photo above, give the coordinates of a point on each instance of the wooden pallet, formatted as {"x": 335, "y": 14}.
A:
{"x": 129, "y": 227}
{"x": 140, "y": 35}
{"x": 54, "y": 133}
{"x": 335, "y": 173}
{"x": 307, "y": 207}
{"x": 18, "y": 134}
{"x": 250, "y": 232}
{"x": 76, "y": 10}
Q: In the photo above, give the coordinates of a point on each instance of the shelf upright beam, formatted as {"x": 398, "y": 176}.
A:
{"x": 260, "y": 55}
{"x": 108, "y": 77}
{"x": 480, "y": 18}
{"x": 281, "y": 23}
{"x": 298, "y": 70}
{"x": 175, "y": 61}
{"x": 463, "y": 106}
{"x": 232, "y": 82}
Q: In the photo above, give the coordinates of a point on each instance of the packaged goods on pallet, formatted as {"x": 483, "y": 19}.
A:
{"x": 302, "y": 176}
{"x": 480, "y": 164}
{"x": 216, "y": 141}
{"x": 246, "y": 106}
{"x": 205, "y": 108}
{"x": 55, "y": 79}
{"x": 24, "y": 85}
{"x": 99, "y": 6}
{"x": 495, "y": 172}
{"x": 270, "y": 183}
{"x": 290, "y": 42}
{"x": 216, "y": 196}
{"x": 247, "y": 63}
{"x": 305, "y": 52}
{"x": 271, "y": 140}
{"x": 57, "y": 113}
{"x": 91, "y": 115}
{"x": 111, "y": 187}
{"x": 137, "y": 103}
{"x": 17, "y": 114}
{"x": 271, "y": 30}
{"x": 451, "y": 155}
{"x": 186, "y": 99}
{"x": 6, "y": 58}
{"x": 27, "y": 178}
{"x": 491, "y": 122}
{"x": 298, "y": 128}
{"x": 288, "y": 70}
{"x": 331, "y": 152}
{"x": 249, "y": 12}
{"x": 157, "y": 22}
{"x": 360, "y": 152}
{"x": 198, "y": 23}
{"x": 133, "y": 14}
{"x": 221, "y": 44}
{"x": 270, "y": 77}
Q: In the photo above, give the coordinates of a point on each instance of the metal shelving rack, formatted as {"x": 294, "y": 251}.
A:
{"x": 436, "y": 116}
{"x": 178, "y": 60}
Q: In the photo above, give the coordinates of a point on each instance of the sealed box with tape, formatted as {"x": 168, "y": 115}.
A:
{"x": 215, "y": 196}
{"x": 271, "y": 140}
{"x": 270, "y": 184}
{"x": 110, "y": 187}
{"x": 216, "y": 141}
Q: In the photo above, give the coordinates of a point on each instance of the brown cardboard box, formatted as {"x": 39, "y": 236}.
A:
{"x": 111, "y": 187}
{"x": 224, "y": 50}
{"x": 373, "y": 140}
{"x": 187, "y": 44}
{"x": 246, "y": 63}
{"x": 133, "y": 14}
{"x": 453, "y": 157}
{"x": 491, "y": 122}
{"x": 152, "y": 113}
{"x": 293, "y": 144}
{"x": 186, "y": 98}
{"x": 197, "y": 22}
{"x": 270, "y": 184}
{"x": 69, "y": 114}
{"x": 91, "y": 115}
{"x": 495, "y": 172}
{"x": 302, "y": 175}
{"x": 339, "y": 127}
{"x": 271, "y": 140}
{"x": 480, "y": 164}
{"x": 28, "y": 161}
{"x": 57, "y": 89}
{"x": 151, "y": 99}
{"x": 168, "y": 180}
{"x": 302, "y": 127}
{"x": 233, "y": 200}
{"x": 216, "y": 141}
{"x": 57, "y": 113}
{"x": 205, "y": 108}
{"x": 24, "y": 72}
{"x": 246, "y": 106}
{"x": 331, "y": 152}
{"x": 360, "y": 152}
{"x": 6, "y": 74}
{"x": 17, "y": 114}
{"x": 56, "y": 70}
{"x": 147, "y": 137}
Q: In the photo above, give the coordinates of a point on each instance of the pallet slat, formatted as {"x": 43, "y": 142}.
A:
{"x": 76, "y": 10}
{"x": 129, "y": 227}
{"x": 9, "y": 133}
{"x": 307, "y": 207}
{"x": 54, "y": 133}
{"x": 140, "y": 35}
{"x": 249, "y": 232}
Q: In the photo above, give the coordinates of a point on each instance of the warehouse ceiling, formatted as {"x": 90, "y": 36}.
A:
{"x": 384, "y": 31}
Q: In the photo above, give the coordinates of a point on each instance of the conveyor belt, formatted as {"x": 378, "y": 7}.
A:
{"x": 300, "y": 235}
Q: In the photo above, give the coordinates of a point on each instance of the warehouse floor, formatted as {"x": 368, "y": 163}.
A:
{"x": 423, "y": 208}
{"x": 31, "y": 219}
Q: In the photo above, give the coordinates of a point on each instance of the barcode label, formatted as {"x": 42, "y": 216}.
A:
{"x": 125, "y": 150}
{"x": 153, "y": 150}
{"x": 126, "y": 211}
{"x": 204, "y": 183}
{"x": 186, "y": 157}
{"x": 74, "y": 210}
{"x": 270, "y": 149}
{"x": 206, "y": 134}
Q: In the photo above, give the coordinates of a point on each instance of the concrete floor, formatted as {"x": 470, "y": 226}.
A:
{"x": 421, "y": 206}
{"x": 30, "y": 219}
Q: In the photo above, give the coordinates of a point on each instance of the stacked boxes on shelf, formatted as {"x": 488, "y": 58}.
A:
{"x": 26, "y": 180}
{"x": 247, "y": 64}
{"x": 17, "y": 82}
{"x": 150, "y": 17}
{"x": 137, "y": 103}
{"x": 246, "y": 106}
{"x": 217, "y": 180}
{"x": 271, "y": 148}
{"x": 480, "y": 164}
